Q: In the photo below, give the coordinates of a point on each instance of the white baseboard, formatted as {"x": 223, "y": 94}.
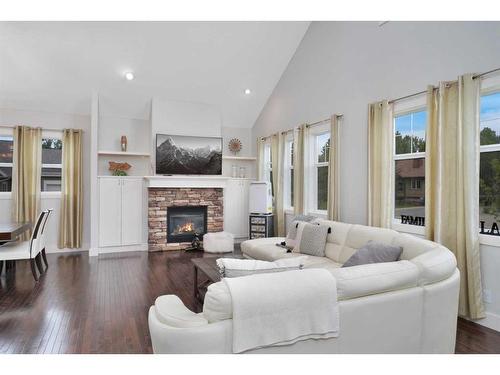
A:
{"x": 491, "y": 321}
{"x": 121, "y": 249}
{"x": 52, "y": 249}
{"x": 93, "y": 252}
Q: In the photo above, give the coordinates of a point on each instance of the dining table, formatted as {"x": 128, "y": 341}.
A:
{"x": 10, "y": 231}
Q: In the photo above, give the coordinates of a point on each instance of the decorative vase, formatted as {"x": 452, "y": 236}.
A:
{"x": 124, "y": 143}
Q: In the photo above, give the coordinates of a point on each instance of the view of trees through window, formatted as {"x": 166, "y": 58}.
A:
{"x": 323, "y": 156}
{"x": 489, "y": 174}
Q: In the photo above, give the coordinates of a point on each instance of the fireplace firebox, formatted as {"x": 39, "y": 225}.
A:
{"x": 184, "y": 222}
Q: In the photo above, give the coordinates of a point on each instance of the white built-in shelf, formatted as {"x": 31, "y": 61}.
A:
{"x": 126, "y": 153}
{"x": 242, "y": 158}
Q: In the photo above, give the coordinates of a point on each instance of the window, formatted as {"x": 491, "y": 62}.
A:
{"x": 409, "y": 167}
{"x": 321, "y": 155}
{"x": 289, "y": 173}
{"x": 51, "y": 164}
{"x": 489, "y": 173}
{"x": 268, "y": 166}
{"x": 6, "y": 150}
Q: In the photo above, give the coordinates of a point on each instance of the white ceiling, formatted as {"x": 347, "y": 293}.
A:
{"x": 54, "y": 66}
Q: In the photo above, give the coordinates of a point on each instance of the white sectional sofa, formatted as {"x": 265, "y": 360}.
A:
{"x": 409, "y": 306}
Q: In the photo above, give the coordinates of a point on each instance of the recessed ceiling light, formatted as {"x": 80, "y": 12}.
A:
{"x": 248, "y": 91}
{"x": 129, "y": 76}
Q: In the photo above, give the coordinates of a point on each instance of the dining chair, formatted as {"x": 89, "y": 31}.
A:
{"x": 23, "y": 250}
{"x": 42, "y": 243}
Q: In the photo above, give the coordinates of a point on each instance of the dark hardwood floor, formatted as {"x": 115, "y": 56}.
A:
{"x": 99, "y": 305}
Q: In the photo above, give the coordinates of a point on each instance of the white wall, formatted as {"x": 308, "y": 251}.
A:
{"x": 340, "y": 67}
{"x": 12, "y": 117}
{"x": 199, "y": 120}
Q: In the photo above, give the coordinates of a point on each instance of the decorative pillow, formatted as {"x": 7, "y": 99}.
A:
{"x": 311, "y": 239}
{"x": 374, "y": 252}
{"x": 230, "y": 267}
{"x": 292, "y": 233}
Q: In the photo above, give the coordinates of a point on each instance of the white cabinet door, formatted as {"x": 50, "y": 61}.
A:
{"x": 236, "y": 207}
{"x": 132, "y": 219}
{"x": 109, "y": 212}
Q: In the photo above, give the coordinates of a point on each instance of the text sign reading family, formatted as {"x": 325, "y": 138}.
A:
{"x": 420, "y": 221}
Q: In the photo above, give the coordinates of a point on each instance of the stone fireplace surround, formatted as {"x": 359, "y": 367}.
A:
{"x": 160, "y": 198}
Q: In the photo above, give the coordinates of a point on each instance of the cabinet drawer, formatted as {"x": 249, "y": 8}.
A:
{"x": 258, "y": 220}
{"x": 257, "y": 235}
{"x": 258, "y": 228}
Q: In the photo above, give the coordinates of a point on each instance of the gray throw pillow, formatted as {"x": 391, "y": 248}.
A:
{"x": 374, "y": 252}
{"x": 313, "y": 239}
{"x": 292, "y": 233}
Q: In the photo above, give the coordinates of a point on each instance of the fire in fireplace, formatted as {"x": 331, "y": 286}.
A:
{"x": 185, "y": 221}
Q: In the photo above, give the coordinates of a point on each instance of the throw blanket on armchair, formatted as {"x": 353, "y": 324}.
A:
{"x": 283, "y": 308}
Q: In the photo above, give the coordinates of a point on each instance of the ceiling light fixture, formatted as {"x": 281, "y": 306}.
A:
{"x": 247, "y": 92}
{"x": 129, "y": 76}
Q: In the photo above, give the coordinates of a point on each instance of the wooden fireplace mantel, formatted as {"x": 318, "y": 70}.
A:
{"x": 187, "y": 181}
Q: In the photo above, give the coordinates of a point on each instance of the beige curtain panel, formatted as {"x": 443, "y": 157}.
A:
{"x": 334, "y": 170}
{"x": 71, "y": 217}
{"x": 260, "y": 159}
{"x": 452, "y": 182}
{"x": 26, "y": 175}
{"x": 299, "y": 152}
{"x": 380, "y": 166}
{"x": 277, "y": 157}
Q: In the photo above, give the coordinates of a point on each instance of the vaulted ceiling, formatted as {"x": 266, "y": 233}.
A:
{"x": 54, "y": 66}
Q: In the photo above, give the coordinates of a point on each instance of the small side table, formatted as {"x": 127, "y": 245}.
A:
{"x": 261, "y": 225}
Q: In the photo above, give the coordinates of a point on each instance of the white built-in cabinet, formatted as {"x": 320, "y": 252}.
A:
{"x": 236, "y": 207}
{"x": 121, "y": 219}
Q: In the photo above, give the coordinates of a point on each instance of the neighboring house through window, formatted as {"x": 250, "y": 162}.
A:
{"x": 51, "y": 164}
{"x": 6, "y": 151}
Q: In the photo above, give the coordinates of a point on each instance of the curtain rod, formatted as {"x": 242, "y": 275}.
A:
{"x": 423, "y": 92}
{"x": 485, "y": 73}
{"x": 48, "y": 129}
{"x": 307, "y": 125}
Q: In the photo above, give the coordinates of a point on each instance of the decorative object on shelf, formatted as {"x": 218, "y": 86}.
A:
{"x": 243, "y": 172}
{"x": 235, "y": 171}
{"x": 234, "y": 145}
{"x": 123, "y": 142}
{"x": 119, "y": 169}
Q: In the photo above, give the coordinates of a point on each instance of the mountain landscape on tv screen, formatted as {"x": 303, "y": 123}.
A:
{"x": 175, "y": 159}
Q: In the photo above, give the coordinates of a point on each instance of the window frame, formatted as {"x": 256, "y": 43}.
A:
{"x": 489, "y": 86}
{"x": 416, "y": 104}
{"x": 313, "y": 165}
{"x": 287, "y": 183}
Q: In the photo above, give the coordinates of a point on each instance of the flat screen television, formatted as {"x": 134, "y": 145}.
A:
{"x": 179, "y": 154}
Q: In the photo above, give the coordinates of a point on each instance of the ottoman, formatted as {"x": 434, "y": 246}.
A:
{"x": 218, "y": 242}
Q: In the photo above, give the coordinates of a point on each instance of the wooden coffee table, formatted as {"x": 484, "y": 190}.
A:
{"x": 208, "y": 268}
